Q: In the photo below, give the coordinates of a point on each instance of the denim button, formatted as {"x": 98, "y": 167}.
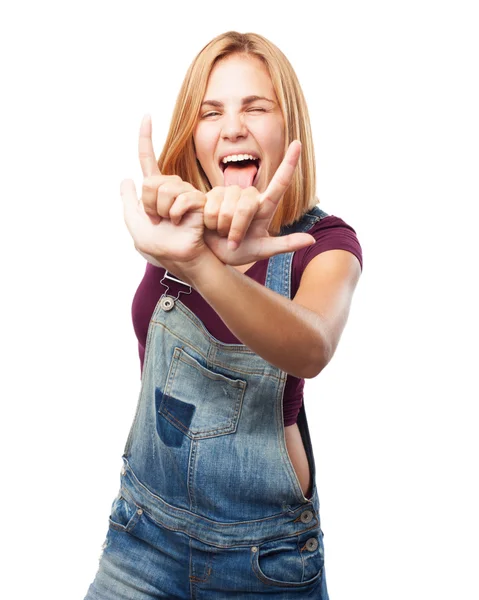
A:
{"x": 306, "y": 516}
{"x": 167, "y": 303}
{"x": 123, "y": 470}
{"x": 312, "y": 544}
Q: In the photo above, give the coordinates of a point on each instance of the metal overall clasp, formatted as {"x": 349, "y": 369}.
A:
{"x": 167, "y": 302}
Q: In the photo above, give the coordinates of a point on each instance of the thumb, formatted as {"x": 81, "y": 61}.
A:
{"x": 286, "y": 243}
{"x": 130, "y": 202}
{"x": 128, "y": 189}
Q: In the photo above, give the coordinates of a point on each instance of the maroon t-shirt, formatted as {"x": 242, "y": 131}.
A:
{"x": 331, "y": 233}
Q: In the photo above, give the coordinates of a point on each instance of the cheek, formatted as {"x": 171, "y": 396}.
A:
{"x": 273, "y": 145}
{"x": 205, "y": 141}
{"x": 272, "y": 137}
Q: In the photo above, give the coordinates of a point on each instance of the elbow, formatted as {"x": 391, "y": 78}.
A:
{"x": 318, "y": 360}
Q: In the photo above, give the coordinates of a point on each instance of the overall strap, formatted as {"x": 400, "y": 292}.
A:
{"x": 309, "y": 218}
{"x": 278, "y": 274}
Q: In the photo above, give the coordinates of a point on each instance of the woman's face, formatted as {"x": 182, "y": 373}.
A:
{"x": 240, "y": 115}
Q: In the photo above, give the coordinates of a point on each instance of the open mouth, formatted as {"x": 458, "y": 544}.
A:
{"x": 242, "y": 172}
{"x": 240, "y": 163}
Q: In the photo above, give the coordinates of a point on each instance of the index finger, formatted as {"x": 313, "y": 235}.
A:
{"x": 149, "y": 164}
{"x": 284, "y": 175}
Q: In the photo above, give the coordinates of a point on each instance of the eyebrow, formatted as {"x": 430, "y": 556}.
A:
{"x": 246, "y": 100}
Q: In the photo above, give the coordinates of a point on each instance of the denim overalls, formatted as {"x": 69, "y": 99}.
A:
{"x": 209, "y": 505}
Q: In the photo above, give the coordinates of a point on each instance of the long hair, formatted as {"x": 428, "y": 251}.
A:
{"x": 178, "y": 155}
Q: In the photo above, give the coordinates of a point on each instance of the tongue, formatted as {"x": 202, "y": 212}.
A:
{"x": 242, "y": 176}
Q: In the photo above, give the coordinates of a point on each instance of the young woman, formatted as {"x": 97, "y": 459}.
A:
{"x": 218, "y": 495}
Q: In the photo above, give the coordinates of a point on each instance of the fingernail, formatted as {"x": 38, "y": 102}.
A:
{"x": 232, "y": 245}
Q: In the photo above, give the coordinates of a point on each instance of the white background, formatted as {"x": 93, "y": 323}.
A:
{"x": 392, "y": 91}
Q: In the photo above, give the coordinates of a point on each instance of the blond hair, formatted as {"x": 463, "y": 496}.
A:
{"x": 178, "y": 156}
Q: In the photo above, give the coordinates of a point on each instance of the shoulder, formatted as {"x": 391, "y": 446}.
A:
{"x": 331, "y": 233}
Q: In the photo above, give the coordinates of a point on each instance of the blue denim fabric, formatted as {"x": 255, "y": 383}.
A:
{"x": 209, "y": 505}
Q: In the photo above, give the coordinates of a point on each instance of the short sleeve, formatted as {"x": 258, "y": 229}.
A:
{"x": 330, "y": 233}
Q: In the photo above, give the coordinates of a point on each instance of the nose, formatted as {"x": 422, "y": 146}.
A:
{"x": 234, "y": 127}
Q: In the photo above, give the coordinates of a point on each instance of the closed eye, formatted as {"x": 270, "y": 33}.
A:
{"x": 214, "y": 113}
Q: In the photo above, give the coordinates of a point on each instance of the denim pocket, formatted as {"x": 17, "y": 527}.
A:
{"x": 201, "y": 403}
{"x": 295, "y": 561}
{"x": 124, "y": 514}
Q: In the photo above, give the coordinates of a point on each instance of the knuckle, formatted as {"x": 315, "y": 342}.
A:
{"x": 164, "y": 189}
{"x": 153, "y": 181}
{"x": 149, "y": 208}
{"x": 224, "y": 219}
{"x": 233, "y": 192}
{"x": 243, "y": 210}
{"x": 181, "y": 198}
{"x": 213, "y": 198}
{"x": 210, "y": 214}
{"x": 251, "y": 196}
{"x": 226, "y": 214}
{"x": 149, "y": 185}
{"x": 191, "y": 198}
{"x": 216, "y": 192}
{"x": 210, "y": 210}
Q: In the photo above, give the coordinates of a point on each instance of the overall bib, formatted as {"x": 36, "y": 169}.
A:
{"x": 210, "y": 506}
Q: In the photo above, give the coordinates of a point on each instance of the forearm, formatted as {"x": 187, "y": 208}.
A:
{"x": 283, "y": 332}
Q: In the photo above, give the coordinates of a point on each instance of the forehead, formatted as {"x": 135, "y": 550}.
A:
{"x": 238, "y": 76}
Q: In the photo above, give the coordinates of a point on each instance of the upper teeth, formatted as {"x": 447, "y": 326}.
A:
{"x": 235, "y": 157}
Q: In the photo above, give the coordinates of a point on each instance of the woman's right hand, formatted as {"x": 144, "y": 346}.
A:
{"x": 165, "y": 201}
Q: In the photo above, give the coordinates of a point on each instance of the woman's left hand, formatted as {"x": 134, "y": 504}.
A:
{"x": 244, "y": 216}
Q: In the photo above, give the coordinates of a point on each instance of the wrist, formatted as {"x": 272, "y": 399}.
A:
{"x": 195, "y": 271}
